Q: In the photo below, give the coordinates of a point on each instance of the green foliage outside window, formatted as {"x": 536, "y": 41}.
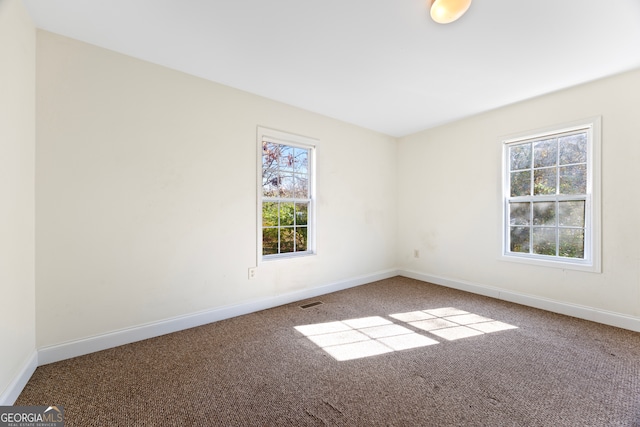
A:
{"x": 286, "y": 198}
{"x": 542, "y": 173}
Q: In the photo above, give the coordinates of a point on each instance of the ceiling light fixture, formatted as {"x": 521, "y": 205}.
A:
{"x": 446, "y": 11}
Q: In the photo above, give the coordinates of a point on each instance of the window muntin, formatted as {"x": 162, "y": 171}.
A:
{"x": 548, "y": 203}
{"x": 285, "y": 195}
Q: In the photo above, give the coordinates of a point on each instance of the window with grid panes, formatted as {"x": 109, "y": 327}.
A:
{"x": 286, "y": 194}
{"x": 549, "y": 196}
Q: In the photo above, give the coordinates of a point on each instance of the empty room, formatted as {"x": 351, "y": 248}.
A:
{"x": 350, "y": 213}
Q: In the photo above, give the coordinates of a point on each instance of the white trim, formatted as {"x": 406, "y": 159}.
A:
{"x": 294, "y": 140}
{"x": 555, "y": 129}
{"x": 279, "y": 136}
{"x": 553, "y": 263}
{"x": 116, "y": 338}
{"x": 593, "y": 228}
{"x": 15, "y": 387}
{"x": 580, "y": 311}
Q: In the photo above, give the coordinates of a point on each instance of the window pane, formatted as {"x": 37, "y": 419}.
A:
{"x": 571, "y": 213}
{"x": 301, "y": 239}
{"x": 270, "y": 184}
{"x": 544, "y": 181}
{"x": 544, "y": 213}
{"x": 519, "y": 241}
{"x": 286, "y": 192}
{"x": 573, "y": 149}
{"x": 301, "y": 186}
{"x": 270, "y": 169}
{"x": 547, "y": 207}
{"x": 269, "y": 214}
{"x": 573, "y": 179}
{"x": 302, "y": 212}
{"x": 286, "y": 240}
{"x": 520, "y": 213}
{"x": 520, "y": 157}
{"x": 286, "y": 214}
{"x": 545, "y": 153}
{"x": 301, "y": 160}
{"x": 270, "y": 154}
{"x": 286, "y": 186}
{"x": 269, "y": 241}
{"x": 572, "y": 243}
{"x": 544, "y": 241}
{"x": 286, "y": 158}
{"x": 521, "y": 183}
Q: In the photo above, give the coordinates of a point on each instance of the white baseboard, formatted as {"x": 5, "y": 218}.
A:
{"x": 582, "y": 312}
{"x": 13, "y": 390}
{"x": 112, "y": 339}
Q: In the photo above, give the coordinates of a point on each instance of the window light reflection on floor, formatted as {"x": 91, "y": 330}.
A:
{"x": 363, "y": 337}
{"x": 451, "y": 323}
{"x": 375, "y": 335}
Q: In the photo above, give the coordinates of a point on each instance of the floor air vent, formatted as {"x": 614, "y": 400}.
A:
{"x": 311, "y": 304}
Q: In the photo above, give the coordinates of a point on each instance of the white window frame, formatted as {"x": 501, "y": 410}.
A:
{"x": 593, "y": 228}
{"x": 293, "y": 140}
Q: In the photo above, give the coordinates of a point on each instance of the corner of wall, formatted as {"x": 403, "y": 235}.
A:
{"x": 20, "y": 380}
{"x": 18, "y": 358}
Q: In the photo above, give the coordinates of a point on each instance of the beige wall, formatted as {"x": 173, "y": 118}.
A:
{"x": 450, "y": 206}
{"x": 146, "y": 194}
{"x": 146, "y": 205}
{"x": 17, "y": 145}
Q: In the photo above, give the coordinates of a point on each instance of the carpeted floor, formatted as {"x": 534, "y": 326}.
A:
{"x": 475, "y": 361}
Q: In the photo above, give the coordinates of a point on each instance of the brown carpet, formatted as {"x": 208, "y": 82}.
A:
{"x": 258, "y": 370}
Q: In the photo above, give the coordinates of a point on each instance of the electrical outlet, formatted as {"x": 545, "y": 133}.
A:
{"x": 252, "y": 272}
{"x": 416, "y": 253}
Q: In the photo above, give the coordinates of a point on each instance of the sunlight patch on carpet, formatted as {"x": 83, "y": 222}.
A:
{"x": 451, "y": 323}
{"x": 362, "y": 337}
{"x": 374, "y": 335}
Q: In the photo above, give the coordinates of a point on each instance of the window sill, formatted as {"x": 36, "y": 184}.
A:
{"x": 288, "y": 256}
{"x": 564, "y": 265}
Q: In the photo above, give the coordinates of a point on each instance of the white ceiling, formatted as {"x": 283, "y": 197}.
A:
{"x": 380, "y": 64}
